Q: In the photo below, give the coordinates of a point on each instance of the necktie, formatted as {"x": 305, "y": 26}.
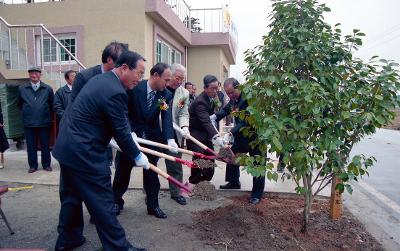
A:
{"x": 150, "y": 99}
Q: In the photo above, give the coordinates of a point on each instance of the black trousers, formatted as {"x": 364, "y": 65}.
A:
{"x": 232, "y": 173}
{"x": 32, "y": 135}
{"x": 197, "y": 175}
{"x": 123, "y": 169}
{"x": 95, "y": 191}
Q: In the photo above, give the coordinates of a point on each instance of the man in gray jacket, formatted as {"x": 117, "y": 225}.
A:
{"x": 36, "y": 101}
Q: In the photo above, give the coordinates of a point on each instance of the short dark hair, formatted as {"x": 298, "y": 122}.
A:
{"x": 159, "y": 68}
{"x": 188, "y": 83}
{"x": 67, "y": 73}
{"x": 113, "y": 50}
{"x": 130, "y": 58}
{"x": 208, "y": 79}
{"x": 233, "y": 81}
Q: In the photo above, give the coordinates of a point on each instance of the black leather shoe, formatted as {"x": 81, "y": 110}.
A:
{"x": 230, "y": 185}
{"x": 70, "y": 247}
{"x": 48, "y": 168}
{"x": 254, "y": 201}
{"x": 179, "y": 199}
{"x": 157, "y": 212}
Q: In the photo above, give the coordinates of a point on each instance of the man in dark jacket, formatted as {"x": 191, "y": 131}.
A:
{"x": 148, "y": 102}
{"x": 62, "y": 98}
{"x": 36, "y": 101}
{"x": 96, "y": 115}
{"x": 241, "y": 143}
{"x": 201, "y": 128}
{"x": 108, "y": 58}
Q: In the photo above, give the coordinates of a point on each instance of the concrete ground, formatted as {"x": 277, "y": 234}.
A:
{"x": 33, "y": 211}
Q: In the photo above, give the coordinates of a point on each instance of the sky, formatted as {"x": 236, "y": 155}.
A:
{"x": 378, "y": 19}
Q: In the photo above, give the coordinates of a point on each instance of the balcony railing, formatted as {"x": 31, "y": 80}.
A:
{"x": 26, "y": 45}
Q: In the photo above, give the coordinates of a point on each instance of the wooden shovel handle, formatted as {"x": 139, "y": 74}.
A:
{"x": 156, "y": 144}
{"x": 159, "y": 171}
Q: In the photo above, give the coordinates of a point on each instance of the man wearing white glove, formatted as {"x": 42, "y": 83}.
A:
{"x": 180, "y": 116}
{"x": 213, "y": 119}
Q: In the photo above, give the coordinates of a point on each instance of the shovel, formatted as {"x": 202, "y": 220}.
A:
{"x": 186, "y": 188}
{"x": 206, "y": 148}
{"x": 187, "y": 163}
{"x": 156, "y": 144}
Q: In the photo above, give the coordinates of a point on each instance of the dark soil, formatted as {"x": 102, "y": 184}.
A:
{"x": 204, "y": 163}
{"x": 274, "y": 224}
{"x": 225, "y": 152}
{"x": 395, "y": 124}
{"x": 204, "y": 191}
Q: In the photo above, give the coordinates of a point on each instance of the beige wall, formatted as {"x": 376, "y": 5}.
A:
{"x": 203, "y": 61}
{"x": 149, "y": 45}
{"x": 102, "y": 24}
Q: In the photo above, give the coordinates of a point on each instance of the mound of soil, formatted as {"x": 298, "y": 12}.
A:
{"x": 204, "y": 163}
{"x": 395, "y": 124}
{"x": 204, "y": 191}
{"x": 274, "y": 224}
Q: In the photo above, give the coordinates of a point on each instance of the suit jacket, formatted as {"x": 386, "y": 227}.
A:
{"x": 148, "y": 123}
{"x": 82, "y": 78}
{"x": 62, "y": 99}
{"x": 37, "y": 106}
{"x": 97, "y": 114}
{"x": 200, "y": 124}
{"x": 180, "y": 109}
{"x": 240, "y": 105}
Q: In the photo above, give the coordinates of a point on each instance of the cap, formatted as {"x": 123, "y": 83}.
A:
{"x": 35, "y": 68}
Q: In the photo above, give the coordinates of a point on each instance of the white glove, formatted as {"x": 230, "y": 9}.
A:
{"x": 185, "y": 132}
{"x": 172, "y": 143}
{"x": 227, "y": 138}
{"x": 213, "y": 119}
{"x": 142, "y": 161}
{"x": 218, "y": 141}
{"x": 134, "y": 137}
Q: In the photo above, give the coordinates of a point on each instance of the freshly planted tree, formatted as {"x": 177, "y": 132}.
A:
{"x": 311, "y": 100}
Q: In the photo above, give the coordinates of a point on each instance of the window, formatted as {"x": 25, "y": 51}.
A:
{"x": 167, "y": 54}
{"x": 53, "y": 52}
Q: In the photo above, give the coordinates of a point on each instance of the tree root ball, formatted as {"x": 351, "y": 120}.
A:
{"x": 226, "y": 152}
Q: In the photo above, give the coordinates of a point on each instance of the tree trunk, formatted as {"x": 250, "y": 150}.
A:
{"x": 308, "y": 197}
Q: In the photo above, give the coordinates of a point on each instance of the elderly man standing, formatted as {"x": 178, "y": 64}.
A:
{"x": 36, "y": 101}
{"x": 180, "y": 116}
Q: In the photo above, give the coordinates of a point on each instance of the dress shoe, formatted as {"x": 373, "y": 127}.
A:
{"x": 254, "y": 201}
{"x": 70, "y": 247}
{"x": 32, "y": 170}
{"x": 179, "y": 199}
{"x": 48, "y": 168}
{"x": 157, "y": 212}
{"x": 230, "y": 185}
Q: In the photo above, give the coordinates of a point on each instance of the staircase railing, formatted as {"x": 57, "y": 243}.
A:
{"x": 23, "y": 46}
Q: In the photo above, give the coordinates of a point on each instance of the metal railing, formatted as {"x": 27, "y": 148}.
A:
{"x": 180, "y": 8}
{"x": 26, "y": 1}
{"x": 26, "y": 45}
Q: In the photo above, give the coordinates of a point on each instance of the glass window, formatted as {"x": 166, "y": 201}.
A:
{"x": 49, "y": 50}
{"x": 166, "y": 53}
{"x": 70, "y": 44}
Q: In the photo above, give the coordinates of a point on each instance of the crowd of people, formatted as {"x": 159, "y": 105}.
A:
{"x": 111, "y": 100}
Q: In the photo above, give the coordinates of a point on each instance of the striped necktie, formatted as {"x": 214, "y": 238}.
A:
{"x": 150, "y": 99}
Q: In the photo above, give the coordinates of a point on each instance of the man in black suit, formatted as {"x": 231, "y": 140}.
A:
{"x": 241, "y": 143}
{"x": 108, "y": 59}
{"x": 201, "y": 128}
{"x": 96, "y": 115}
{"x": 148, "y": 101}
